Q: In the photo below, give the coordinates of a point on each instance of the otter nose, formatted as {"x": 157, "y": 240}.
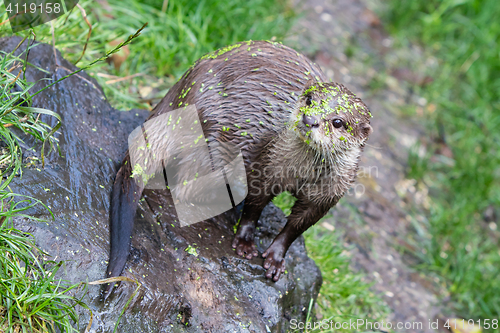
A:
{"x": 310, "y": 121}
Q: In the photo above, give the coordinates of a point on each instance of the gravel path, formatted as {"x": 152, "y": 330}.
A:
{"x": 348, "y": 40}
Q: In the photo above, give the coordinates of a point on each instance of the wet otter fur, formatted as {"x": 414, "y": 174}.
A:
{"x": 296, "y": 133}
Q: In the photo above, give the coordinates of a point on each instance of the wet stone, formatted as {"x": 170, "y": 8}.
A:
{"x": 192, "y": 280}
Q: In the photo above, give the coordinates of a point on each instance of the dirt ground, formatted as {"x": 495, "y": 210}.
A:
{"x": 347, "y": 39}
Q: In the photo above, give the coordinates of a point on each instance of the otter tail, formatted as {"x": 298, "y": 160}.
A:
{"x": 124, "y": 199}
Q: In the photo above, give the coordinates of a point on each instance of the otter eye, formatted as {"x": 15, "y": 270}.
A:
{"x": 337, "y": 123}
{"x": 308, "y": 100}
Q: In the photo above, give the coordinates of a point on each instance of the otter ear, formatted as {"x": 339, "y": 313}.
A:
{"x": 365, "y": 129}
{"x": 309, "y": 84}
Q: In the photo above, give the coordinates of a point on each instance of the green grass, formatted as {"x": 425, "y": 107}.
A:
{"x": 462, "y": 246}
{"x": 345, "y": 294}
{"x": 32, "y": 299}
{"x": 15, "y": 112}
{"x": 173, "y": 40}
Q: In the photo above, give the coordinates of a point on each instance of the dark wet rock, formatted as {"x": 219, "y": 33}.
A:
{"x": 192, "y": 281}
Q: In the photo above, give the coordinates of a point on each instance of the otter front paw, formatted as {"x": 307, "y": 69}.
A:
{"x": 274, "y": 263}
{"x": 244, "y": 247}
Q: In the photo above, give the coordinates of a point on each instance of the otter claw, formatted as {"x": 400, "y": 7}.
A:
{"x": 274, "y": 263}
{"x": 244, "y": 248}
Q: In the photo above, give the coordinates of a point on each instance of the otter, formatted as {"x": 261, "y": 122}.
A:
{"x": 296, "y": 131}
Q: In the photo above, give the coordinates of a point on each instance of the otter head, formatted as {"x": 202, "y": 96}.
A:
{"x": 331, "y": 119}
